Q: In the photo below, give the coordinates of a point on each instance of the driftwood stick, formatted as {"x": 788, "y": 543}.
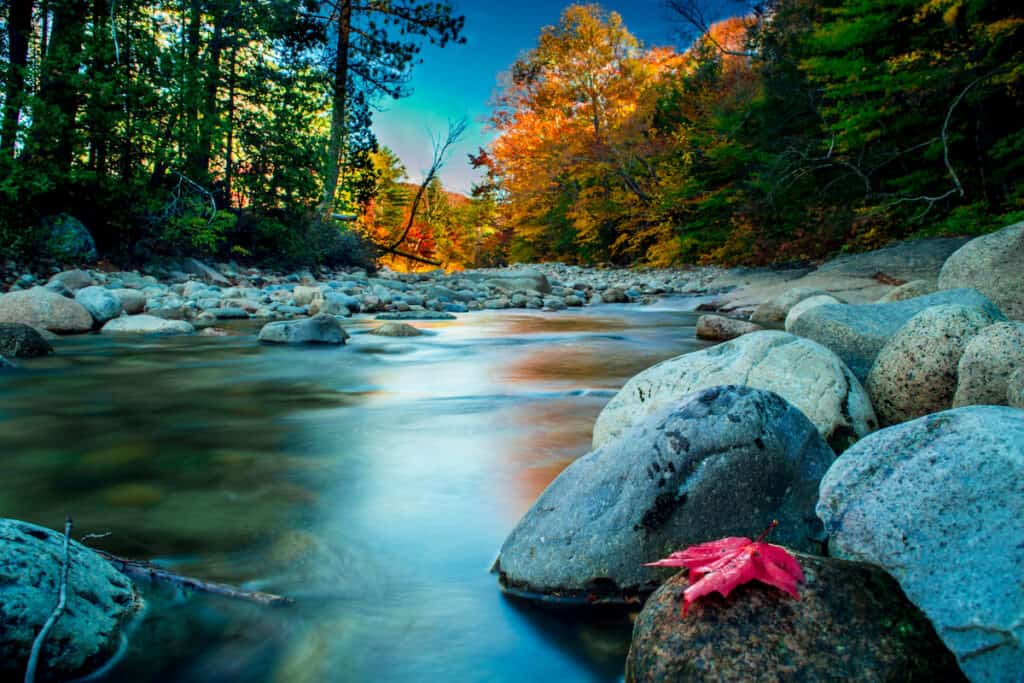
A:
{"x": 140, "y": 569}
{"x": 62, "y": 601}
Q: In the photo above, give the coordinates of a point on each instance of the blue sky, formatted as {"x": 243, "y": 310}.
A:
{"x": 459, "y": 80}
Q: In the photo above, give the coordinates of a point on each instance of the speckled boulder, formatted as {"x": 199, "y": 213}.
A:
{"x": 720, "y": 328}
{"x": 22, "y": 341}
{"x": 856, "y": 333}
{"x": 909, "y": 290}
{"x": 806, "y": 305}
{"x": 1015, "y": 389}
{"x": 852, "y": 623}
{"x": 803, "y": 372}
{"x": 39, "y": 307}
{"x": 938, "y": 503}
{"x": 994, "y": 265}
{"x": 725, "y": 461}
{"x": 99, "y": 604}
{"x": 916, "y": 371}
{"x": 987, "y": 364}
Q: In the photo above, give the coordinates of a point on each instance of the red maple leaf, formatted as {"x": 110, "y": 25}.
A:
{"x": 729, "y": 562}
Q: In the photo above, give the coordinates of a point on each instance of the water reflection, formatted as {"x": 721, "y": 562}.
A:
{"x": 373, "y": 483}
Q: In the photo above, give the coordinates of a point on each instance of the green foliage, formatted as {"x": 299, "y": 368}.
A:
{"x": 196, "y": 232}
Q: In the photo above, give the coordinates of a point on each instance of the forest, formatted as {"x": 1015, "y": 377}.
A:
{"x": 242, "y": 129}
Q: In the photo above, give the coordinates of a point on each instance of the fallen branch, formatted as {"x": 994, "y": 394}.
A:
{"x": 414, "y": 257}
{"x": 62, "y": 600}
{"x": 140, "y": 569}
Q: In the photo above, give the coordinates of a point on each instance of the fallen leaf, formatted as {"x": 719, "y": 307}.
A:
{"x": 720, "y": 566}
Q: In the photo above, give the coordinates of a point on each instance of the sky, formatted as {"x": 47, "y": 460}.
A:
{"x": 459, "y": 80}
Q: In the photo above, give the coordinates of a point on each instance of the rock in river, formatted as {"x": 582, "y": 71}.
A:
{"x": 852, "y": 623}
{"x": 725, "y": 461}
{"x": 39, "y": 307}
{"x": 803, "y": 372}
{"x": 102, "y": 304}
{"x": 320, "y": 329}
{"x": 146, "y": 324}
{"x": 21, "y": 341}
{"x": 100, "y": 602}
{"x": 396, "y": 329}
{"x": 856, "y": 333}
{"x": 916, "y": 371}
{"x": 720, "y": 328}
{"x": 938, "y": 503}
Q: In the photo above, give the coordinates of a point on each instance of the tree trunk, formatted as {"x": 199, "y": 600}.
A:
{"x": 200, "y": 161}
{"x": 19, "y": 29}
{"x": 98, "y": 107}
{"x": 229, "y": 153}
{"x": 339, "y": 123}
{"x": 191, "y": 84}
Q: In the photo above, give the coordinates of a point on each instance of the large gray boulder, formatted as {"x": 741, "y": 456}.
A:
{"x": 988, "y": 362}
{"x": 204, "y": 272}
{"x": 856, "y": 333}
{"x": 73, "y": 279}
{"x": 147, "y": 324}
{"x": 396, "y": 329}
{"x": 806, "y": 305}
{"x": 725, "y": 461}
{"x": 100, "y": 603}
{"x": 21, "y": 341}
{"x": 774, "y": 311}
{"x": 320, "y": 329}
{"x": 851, "y": 623}
{"x": 132, "y": 301}
{"x": 938, "y": 503}
{"x": 994, "y": 265}
{"x": 803, "y": 372}
{"x": 721, "y": 328}
{"x": 520, "y": 280}
{"x": 67, "y": 239}
{"x": 916, "y": 371}
{"x": 102, "y": 304}
{"x": 1015, "y": 389}
{"x": 39, "y": 307}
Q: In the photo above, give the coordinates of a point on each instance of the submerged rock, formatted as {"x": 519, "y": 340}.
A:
{"x": 722, "y": 462}
{"x": 39, "y": 307}
{"x": 938, "y": 503}
{"x": 416, "y": 315}
{"x": 100, "y": 602}
{"x": 916, "y": 371}
{"x": 803, "y": 372}
{"x": 994, "y": 265}
{"x": 856, "y": 333}
{"x": 396, "y": 329}
{"x": 147, "y": 324}
{"x": 851, "y": 622}
{"x": 21, "y": 341}
{"x": 320, "y": 329}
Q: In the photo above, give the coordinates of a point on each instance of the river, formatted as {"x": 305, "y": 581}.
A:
{"x": 372, "y": 483}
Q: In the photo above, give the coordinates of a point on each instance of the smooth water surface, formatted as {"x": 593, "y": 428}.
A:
{"x": 373, "y": 483}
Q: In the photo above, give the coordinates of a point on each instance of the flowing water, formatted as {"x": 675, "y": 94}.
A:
{"x": 372, "y": 483}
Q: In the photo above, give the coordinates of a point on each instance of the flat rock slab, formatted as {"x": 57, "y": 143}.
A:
{"x": 100, "y": 602}
{"x": 147, "y": 324}
{"x": 938, "y": 503}
{"x": 856, "y": 333}
{"x": 416, "y": 315}
{"x": 852, "y": 623}
{"x": 722, "y": 462}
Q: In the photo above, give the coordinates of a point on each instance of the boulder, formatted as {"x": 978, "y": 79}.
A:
{"x": 916, "y": 371}
{"x": 720, "y": 328}
{"x": 101, "y": 303}
{"x": 993, "y": 264}
{"x": 909, "y": 260}
{"x": 806, "y": 305}
{"x": 856, "y": 333}
{"x": 73, "y": 279}
{"x": 909, "y": 290}
{"x": 851, "y": 623}
{"x": 937, "y": 503}
{"x": 21, "y": 341}
{"x": 304, "y": 296}
{"x": 66, "y": 239}
{"x": 396, "y": 329}
{"x": 100, "y": 603}
{"x": 775, "y": 311}
{"x": 725, "y": 461}
{"x": 335, "y": 303}
{"x": 988, "y": 362}
{"x": 1015, "y": 389}
{"x": 320, "y": 329}
{"x": 520, "y": 280}
{"x": 803, "y": 372}
{"x": 614, "y": 295}
{"x": 204, "y": 272}
{"x": 39, "y": 307}
{"x": 132, "y": 301}
{"x": 147, "y": 324}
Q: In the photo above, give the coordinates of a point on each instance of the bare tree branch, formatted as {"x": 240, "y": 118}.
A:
{"x": 62, "y": 600}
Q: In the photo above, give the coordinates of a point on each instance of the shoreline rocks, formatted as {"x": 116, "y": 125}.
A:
{"x": 39, "y": 307}
{"x": 993, "y": 264}
{"x": 21, "y": 341}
